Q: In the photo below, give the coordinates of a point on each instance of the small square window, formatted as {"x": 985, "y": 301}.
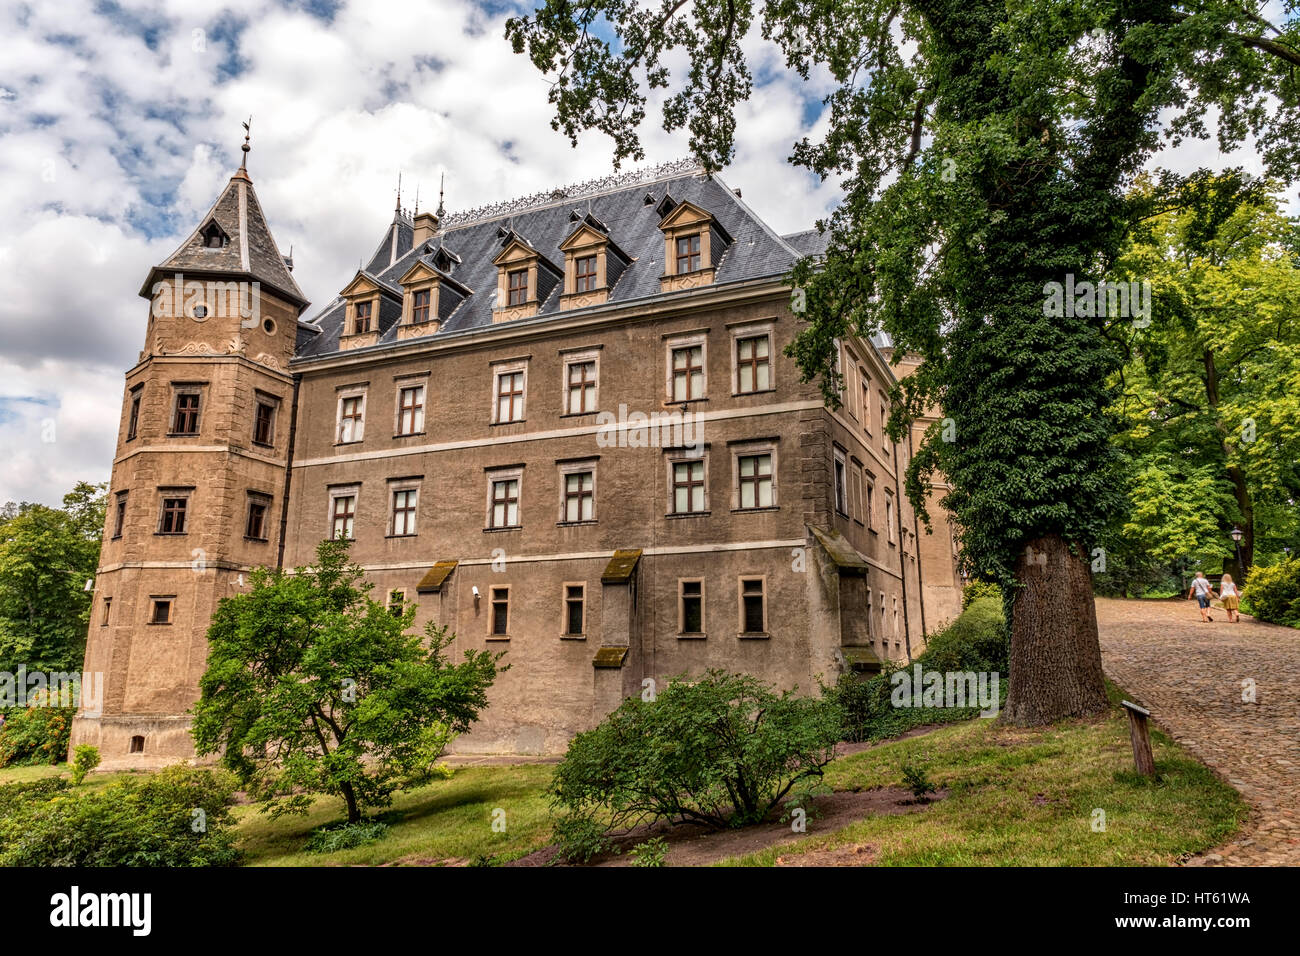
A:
{"x": 162, "y": 611}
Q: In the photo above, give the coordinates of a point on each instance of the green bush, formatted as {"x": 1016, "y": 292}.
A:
{"x": 975, "y": 641}
{"x": 652, "y": 852}
{"x": 179, "y": 816}
{"x": 35, "y": 734}
{"x": 917, "y": 778}
{"x": 977, "y": 590}
{"x": 85, "y": 759}
{"x": 14, "y": 795}
{"x": 1272, "y": 593}
{"x": 579, "y": 838}
{"x": 344, "y": 836}
{"x": 720, "y": 750}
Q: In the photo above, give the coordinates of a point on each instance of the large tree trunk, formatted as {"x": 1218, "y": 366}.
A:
{"x": 350, "y": 798}
{"x": 1055, "y": 656}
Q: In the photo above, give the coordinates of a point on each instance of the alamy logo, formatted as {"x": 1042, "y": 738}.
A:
{"x": 1124, "y": 300}
{"x": 210, "y": 299}
{"x": 656, "y": 430}
{"x": 922, "y": 688}
{"x": 53, "y": 689}
{"x": 103, "y": 909}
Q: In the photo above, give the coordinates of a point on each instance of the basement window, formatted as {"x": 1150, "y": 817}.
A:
{"x": 137, "y": 744}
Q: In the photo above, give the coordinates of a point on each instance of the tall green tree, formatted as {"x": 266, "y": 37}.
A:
{"x": 313, "y": 687}
{"x": 986, "y": 150}
{"x": 1211, "y": 393}
{"x": 46, "y": 557}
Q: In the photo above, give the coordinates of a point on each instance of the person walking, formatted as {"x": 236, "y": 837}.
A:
{"x": 1231, "y": 598}
{"x": 1202, "y": 591}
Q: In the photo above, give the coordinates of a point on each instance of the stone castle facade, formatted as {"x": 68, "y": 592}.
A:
{"x": 564, "y": 427}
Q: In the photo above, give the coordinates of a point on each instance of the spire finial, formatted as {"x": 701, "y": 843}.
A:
{"x": 248, "y": 129}
{"x": 398, "y": 208}
{"x": 442, "y": 181}
{"x": 417, "y": 199}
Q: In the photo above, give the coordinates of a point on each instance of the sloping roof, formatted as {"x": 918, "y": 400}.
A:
{"x": 432, "y": 581}
{"x": 621, "y": 565}
{"x": 838, "y": 549}
{"x": 251, "y": 249}
{"x": 810, "y": 242}
{"x": 755, "y": 252}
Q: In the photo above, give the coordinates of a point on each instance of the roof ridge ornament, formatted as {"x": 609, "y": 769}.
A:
{"x": 248, "y": 129}
{"x": 586, "y": 189}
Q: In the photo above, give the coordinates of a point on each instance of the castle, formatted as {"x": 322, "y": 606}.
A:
{"x": 563, "y": 426}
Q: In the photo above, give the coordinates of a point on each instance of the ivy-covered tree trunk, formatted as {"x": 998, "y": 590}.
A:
{"x": 1055, "y": 657}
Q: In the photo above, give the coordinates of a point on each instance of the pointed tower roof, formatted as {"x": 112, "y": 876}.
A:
{"x": 232, "y": 240}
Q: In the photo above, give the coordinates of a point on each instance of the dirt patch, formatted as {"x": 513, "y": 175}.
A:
{"x": 853, "y": 854}
{"x": 690, "y": 845}
{"x": 847, "y": 749}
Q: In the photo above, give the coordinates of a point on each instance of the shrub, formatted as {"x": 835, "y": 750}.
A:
{"x": 14, "y": 795}
{"x": 975, "y": 641}
{"x": 721, "y": 750}
{"x": 84, "y": 760}
{"x": 344, "y": 836}
{"x": 35, "y": 734}
{"x": 977, "y": 590}
{"x": 1272, "y": 593}
{"x": 580, "y": 838}
{"x": 917, "y": 778}
{"x": 650, "y": 853}
{"x": 179, "y": 816}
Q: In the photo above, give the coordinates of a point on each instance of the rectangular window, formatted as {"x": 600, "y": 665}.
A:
{"x": 351, "y": 423}
{"x": 884, "y": 417}
{"x": 420, "y": 307}
{"x": 108, "y": 607}
{"x": 363, "y": 317}
{"x": 517, "y": 287}
{"x": 753, "y": 607}
{"x": 584, "y": 275}
{"x": 264, "y": 424}
{"x": 500, "y": 611}
{"x": 172, "y": 520}
{"x": 574, "y": 595}
{"x": 510, "y": 397}
{"x": 755, "y": 481}
{"x": 688, "y": 487}
{"x": 505, "y": 503}
{"x": 855, "y": 492}
{"x": 688, "y": 373}
{"x": 753, "y": 364}
{"x": 841, "y": 493}
{"x": 345, "y": 512}
{"x": 133, "y": 420}
{"x": 186, "y": 421}
{"x": 410, "y": 410}
{"x": 691, "y": 607}
{"x": 579, "y": 496}
{"x": 404, "y": 502}
{"x": 119, "y": 518}
{"x": 889, "y": 516}
{"x": 866, "y": 400}
{"x": 871, "y": 501}
{"x": 259, "y": 509}
{"x": 688, "y": 254}
{"x": 162, "y": 611}
{"x": 396, "y": 602}
{"x": 581, "y": 390}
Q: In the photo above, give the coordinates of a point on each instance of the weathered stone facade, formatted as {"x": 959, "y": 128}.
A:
{"x": 477, "y": 410}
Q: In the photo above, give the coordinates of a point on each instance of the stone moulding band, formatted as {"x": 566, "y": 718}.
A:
{"x": 591, "y": 187}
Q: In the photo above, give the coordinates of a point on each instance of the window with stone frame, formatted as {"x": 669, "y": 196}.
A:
{"x": 755, "y": 476}
{"x": 185, "y": 418}
{"x": 687, "y": 373}
{"x": 516, "y": 286}
{"x": 688, "y": 486}
{"x": 119, "y": 516}
{"x": 133, "y": 417}
{"x": 580, "y": 386}
{"x": 579, "y": 496}
{"x": 499, "y": 619}
{"x": 258, "y": 524}
{"x": 841, "y": 480}
{"x": 264, "y": 423}
{"x": 688, "y": 253}
{"x": 753, "y": 605}
{"x": 343, "y": 514}
{"x": 362, "y": 316}
{"x": 171, "y": 517}
{"x": 753, "y": 363}
{"x": 503, "y": 507}
{"x": 405, "y": 506}
{"x": 352, "y": 408}
{"x": 420, "y": 300}
{"x": 690, "y": 606}
{"x": 108, "y": 610}
{"x": 585, "y": 274}
{"x": 161, "y": 606}
{"x": 410, "y": 410}
{"x": 510, "y": 395}
{"x": 889, "y": 517}
{"x": 575, "y": 597}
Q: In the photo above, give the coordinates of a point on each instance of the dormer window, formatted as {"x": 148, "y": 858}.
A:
{"x": 593, "y": 263}
{"x": 584, "y": 274}
{"x": 363, "y": 315}
{"x": 688, "y": 254}
{"x": 517, "y": 286}
{"x": 213, "y": 236}
{"x": 420, "y": 307}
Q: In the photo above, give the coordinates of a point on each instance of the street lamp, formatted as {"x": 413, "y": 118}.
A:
{"x": 1237, "y": 534}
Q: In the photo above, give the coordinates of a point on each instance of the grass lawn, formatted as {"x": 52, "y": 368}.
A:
{"x": 1026, "y": 798}
{"x": 1015, "y": 797}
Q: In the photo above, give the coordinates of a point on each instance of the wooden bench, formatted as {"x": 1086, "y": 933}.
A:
{"x": 1140, "y": 734}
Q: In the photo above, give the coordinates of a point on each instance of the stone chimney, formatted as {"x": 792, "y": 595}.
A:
{"x": 426, "y": 224}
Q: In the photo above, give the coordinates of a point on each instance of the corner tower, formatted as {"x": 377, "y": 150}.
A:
{"x": 200, "y": 474}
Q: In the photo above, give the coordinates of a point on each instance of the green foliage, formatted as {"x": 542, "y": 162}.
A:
{"x": 85, "y": 759}
{"x": 916, "y": 777}
{"x": 14, "y": 795}
{"x": 975, "y": 641}
{"x": 979, "y": 589}
{"x": 179, "y": 816}
{"x": 35, "y": 734}
{"x": 345, "y": 836}
{"x": 1273, "y": 592}
{"x": 652, "y": 852}
{"x": 312, "y": 687}
{"x": 46, "y": 556}
{"x": 720, "y": 750}
{"x": 579, "y": 838}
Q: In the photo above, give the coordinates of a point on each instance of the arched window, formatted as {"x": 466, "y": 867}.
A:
{"x": 137, "y": 744}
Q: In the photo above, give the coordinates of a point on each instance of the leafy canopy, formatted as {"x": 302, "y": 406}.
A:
{"x": 313, "y": 687}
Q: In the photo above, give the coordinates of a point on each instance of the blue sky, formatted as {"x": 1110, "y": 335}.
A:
{"x": 120, "y": 123}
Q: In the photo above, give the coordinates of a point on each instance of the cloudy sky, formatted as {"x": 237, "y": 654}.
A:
{"x": 120, "y": 122}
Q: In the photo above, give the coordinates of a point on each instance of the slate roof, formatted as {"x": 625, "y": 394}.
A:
{"x": 810, "y": 242}
{"x": 251, "y": 250}
{"x": 755, "y": 252}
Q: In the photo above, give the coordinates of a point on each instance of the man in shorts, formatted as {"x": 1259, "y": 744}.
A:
{"x": 1202, "y": 591}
